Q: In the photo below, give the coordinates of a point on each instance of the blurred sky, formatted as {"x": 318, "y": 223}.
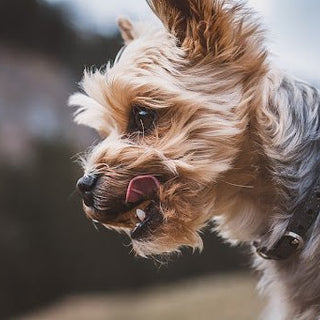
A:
{"x": 293, "y": 26}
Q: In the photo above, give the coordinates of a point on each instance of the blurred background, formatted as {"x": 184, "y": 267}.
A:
{"x": 54, "y": 264}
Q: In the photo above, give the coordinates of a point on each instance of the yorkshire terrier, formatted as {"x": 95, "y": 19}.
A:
{"x": 199, "y": 126}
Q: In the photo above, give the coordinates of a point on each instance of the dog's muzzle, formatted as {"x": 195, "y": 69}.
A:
{"x": 137, "y": 208}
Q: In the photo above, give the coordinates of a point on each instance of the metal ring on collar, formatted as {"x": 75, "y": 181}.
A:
{"x": 296, "y": 239}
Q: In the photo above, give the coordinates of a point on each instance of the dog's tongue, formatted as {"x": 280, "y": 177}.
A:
{"x": 141, "y": 187}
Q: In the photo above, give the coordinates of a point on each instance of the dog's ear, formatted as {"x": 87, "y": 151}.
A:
{"x": 217, "y": 27}
{"x": 127, "y": 30}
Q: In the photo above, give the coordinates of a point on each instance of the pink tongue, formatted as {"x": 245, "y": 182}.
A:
{"x": 141, "y": 187}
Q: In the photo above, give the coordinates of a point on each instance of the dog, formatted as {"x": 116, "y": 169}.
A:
{"x": 199, "y": 126}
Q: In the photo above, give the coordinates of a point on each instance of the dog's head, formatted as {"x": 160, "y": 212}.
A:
{"x": 172, "y": 112}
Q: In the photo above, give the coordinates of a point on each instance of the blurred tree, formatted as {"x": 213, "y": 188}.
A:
{"x": 38, "y": 26}
{"x": 35, "y": 25}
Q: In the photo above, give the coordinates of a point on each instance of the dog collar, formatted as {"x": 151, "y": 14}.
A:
{"x": 294, "y": 237}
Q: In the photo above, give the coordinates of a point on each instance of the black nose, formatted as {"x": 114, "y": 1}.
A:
{"x": 85, "y": 185}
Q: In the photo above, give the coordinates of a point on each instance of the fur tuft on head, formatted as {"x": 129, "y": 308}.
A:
{"x": 225, "y": 30}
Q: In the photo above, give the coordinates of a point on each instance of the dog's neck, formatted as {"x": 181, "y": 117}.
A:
{"x": 288, "y": 128}
{"x": 276, "y": 167}
{"x": 243, "y": 196}
{"x": 277, "y": 161}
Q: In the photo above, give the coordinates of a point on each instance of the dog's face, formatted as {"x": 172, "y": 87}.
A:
{"x": 171, "y": 114}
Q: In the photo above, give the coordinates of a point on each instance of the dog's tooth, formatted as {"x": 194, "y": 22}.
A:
{"x": 140, "y": 214}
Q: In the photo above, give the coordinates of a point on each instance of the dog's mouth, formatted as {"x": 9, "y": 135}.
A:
{"x": 140, "y": 213}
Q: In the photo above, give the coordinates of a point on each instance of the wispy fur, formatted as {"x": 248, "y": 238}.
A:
{"x": 237, "y": 140}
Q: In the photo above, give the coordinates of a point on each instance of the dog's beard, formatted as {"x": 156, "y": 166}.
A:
{"x": 167, "y": 218}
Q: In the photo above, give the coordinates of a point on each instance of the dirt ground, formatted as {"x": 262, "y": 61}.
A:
{"x": 228, "y": 297}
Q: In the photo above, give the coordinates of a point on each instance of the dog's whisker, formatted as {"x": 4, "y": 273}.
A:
{"x": 238, "y": 185}
{"x": 96, "y": 224}
{"x": 142, "y": 126}
{"x": 72, "y": 194}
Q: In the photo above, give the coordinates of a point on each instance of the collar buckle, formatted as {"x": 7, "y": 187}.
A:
{"x": 296, "y": 240}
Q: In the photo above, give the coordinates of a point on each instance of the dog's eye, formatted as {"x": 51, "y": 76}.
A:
{"x": 141, "y": 119}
